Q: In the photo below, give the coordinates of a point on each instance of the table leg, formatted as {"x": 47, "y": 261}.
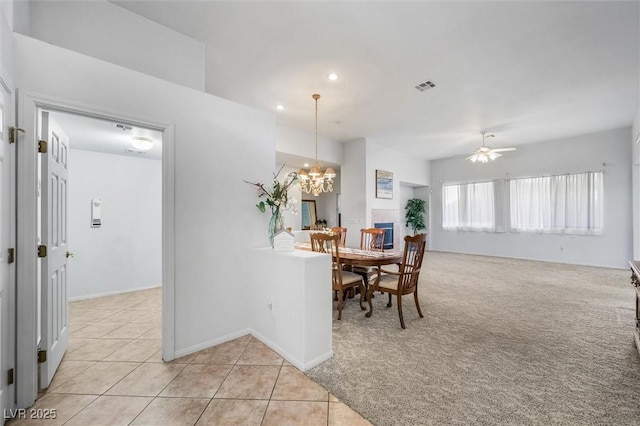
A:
{"x": 370, "y": 291}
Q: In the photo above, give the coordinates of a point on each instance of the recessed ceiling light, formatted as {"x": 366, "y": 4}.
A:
{"x": 306, "y": 164}
{"x": 280, "y": 107}
{"x": 333, "y": 76}
{"x": 142, "y": 143}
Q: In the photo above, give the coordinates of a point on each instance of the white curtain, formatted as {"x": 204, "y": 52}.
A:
{"x": 558, "y": 204}
{"x": 468, "y": 207}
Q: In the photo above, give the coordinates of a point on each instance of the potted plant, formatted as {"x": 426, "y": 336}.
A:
{"x": 415, "y": 214}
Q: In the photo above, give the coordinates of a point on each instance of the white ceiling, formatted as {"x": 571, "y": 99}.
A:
{"x": 93, "y": 134}
{"x": 525, "y": 71}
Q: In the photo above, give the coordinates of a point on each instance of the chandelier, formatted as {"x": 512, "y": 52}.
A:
{"x": 316, "y": 180}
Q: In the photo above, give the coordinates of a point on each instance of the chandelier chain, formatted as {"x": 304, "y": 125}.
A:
{"x": 316, "y": 98}
{"x": 316, "y": 180}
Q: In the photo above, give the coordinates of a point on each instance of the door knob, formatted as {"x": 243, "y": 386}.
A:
{"x": 69, "y": 254}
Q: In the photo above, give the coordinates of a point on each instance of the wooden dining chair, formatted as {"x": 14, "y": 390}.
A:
{"x": 342, "y": 281}
{"x": 343, "y": 240}
{"x": 405, "y": 281}
{"x": 342, "y": 232}
{"x": 371, "y": 239}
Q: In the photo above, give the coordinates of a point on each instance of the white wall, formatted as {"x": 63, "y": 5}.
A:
{"x": 302, "y": 144}
{"x": 106, "y": 31}
{"x": 362, "y": 158}
{"x": 125, "y": 253}
{"x": 7, "y": 11}
{"x": 215, "y": 218}
{"x": 635, "y": 189}
{"x": 404, "y": 168}
{"x": 569, "y": 155}
{"x": 405, "y": 193}
{"x": 424, "y": 193}
{"x": 353, "y": 190}
{"x": 6, "y": 46}
{"x": 407, "y": 171}
{"x": 292, "y": 309}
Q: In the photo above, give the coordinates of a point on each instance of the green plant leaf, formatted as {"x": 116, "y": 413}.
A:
{"x": 414, "y": 216}
{"x": 261, "y": 206}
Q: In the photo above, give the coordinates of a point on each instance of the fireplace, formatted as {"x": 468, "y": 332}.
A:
{"x": 388, "y": 233}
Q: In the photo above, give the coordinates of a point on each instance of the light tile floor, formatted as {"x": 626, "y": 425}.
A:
{"x": 113, "y": 374}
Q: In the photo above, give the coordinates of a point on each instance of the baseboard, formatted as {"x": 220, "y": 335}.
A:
{"x": 561, "y": 262}
{"x": 319, "y": 360}
{"x": 302, "y": 366}
{"x": 112, "y": 293}
{"x": 209, "y": 343}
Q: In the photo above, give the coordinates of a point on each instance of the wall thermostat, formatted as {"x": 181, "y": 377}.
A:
{"x": 96, "y": 213}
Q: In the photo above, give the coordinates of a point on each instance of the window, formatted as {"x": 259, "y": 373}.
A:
{"x": 468, "y": 206}
{"x": 569, "y": 204}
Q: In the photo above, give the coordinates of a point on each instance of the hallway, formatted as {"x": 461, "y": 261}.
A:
{"x": 113, "y": 374}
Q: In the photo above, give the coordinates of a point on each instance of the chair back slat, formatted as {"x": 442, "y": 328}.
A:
{"x": 325, "y": 243}
{"x": 372, "y": 239}
{"x": 411, "y": 261}
{"x": 342, "y": 232}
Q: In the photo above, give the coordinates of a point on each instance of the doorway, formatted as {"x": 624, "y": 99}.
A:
{"x": 30, "y": 109}
{"x": 100, "y": 195}
{"x": 115, "y": 206}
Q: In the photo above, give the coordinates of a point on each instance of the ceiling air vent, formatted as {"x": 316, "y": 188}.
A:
{"x": 134, "y": 151}
{"x": 425, "y": 86}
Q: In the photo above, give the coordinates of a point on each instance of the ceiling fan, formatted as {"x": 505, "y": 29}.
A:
{"x": 484, "y": 153}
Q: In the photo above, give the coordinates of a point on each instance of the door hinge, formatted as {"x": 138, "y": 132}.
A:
{"x": 10, "y": 377}
{"x": 42, "y": 356}
{"x": 42, "y": 147}
{"x": 42, "y": 251}
{"x": 12, "y": 255}
{"x": 13, "y": 133}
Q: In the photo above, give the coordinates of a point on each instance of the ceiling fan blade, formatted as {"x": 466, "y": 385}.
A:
{"x": 503, "y": 149}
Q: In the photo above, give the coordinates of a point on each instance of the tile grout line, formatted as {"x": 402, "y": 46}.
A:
{"x": 203, "y": 411}
{"x": 221, "y": 383}
{"x": 141, "y": 411}
{"x": 181, "y": 371}
{"x": 84, "y": 408}
{"x": 264, "y": 415}
{"x": 103, "y": 360}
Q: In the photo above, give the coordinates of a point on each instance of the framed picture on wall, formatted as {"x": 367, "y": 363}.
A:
{"x": 384, "y": 184}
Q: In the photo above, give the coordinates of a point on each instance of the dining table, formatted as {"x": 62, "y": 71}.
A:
{"x": 351, "y": 257}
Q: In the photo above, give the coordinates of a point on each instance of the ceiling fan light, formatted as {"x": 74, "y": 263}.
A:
{"x": 484, "y": 153}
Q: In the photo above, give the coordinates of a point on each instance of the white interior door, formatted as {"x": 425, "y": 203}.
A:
{"x": 55, "y": 168}
{"x": 7, "y": 241}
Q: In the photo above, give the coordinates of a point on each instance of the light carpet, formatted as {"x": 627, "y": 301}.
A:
{"x": 503, "y": 341}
